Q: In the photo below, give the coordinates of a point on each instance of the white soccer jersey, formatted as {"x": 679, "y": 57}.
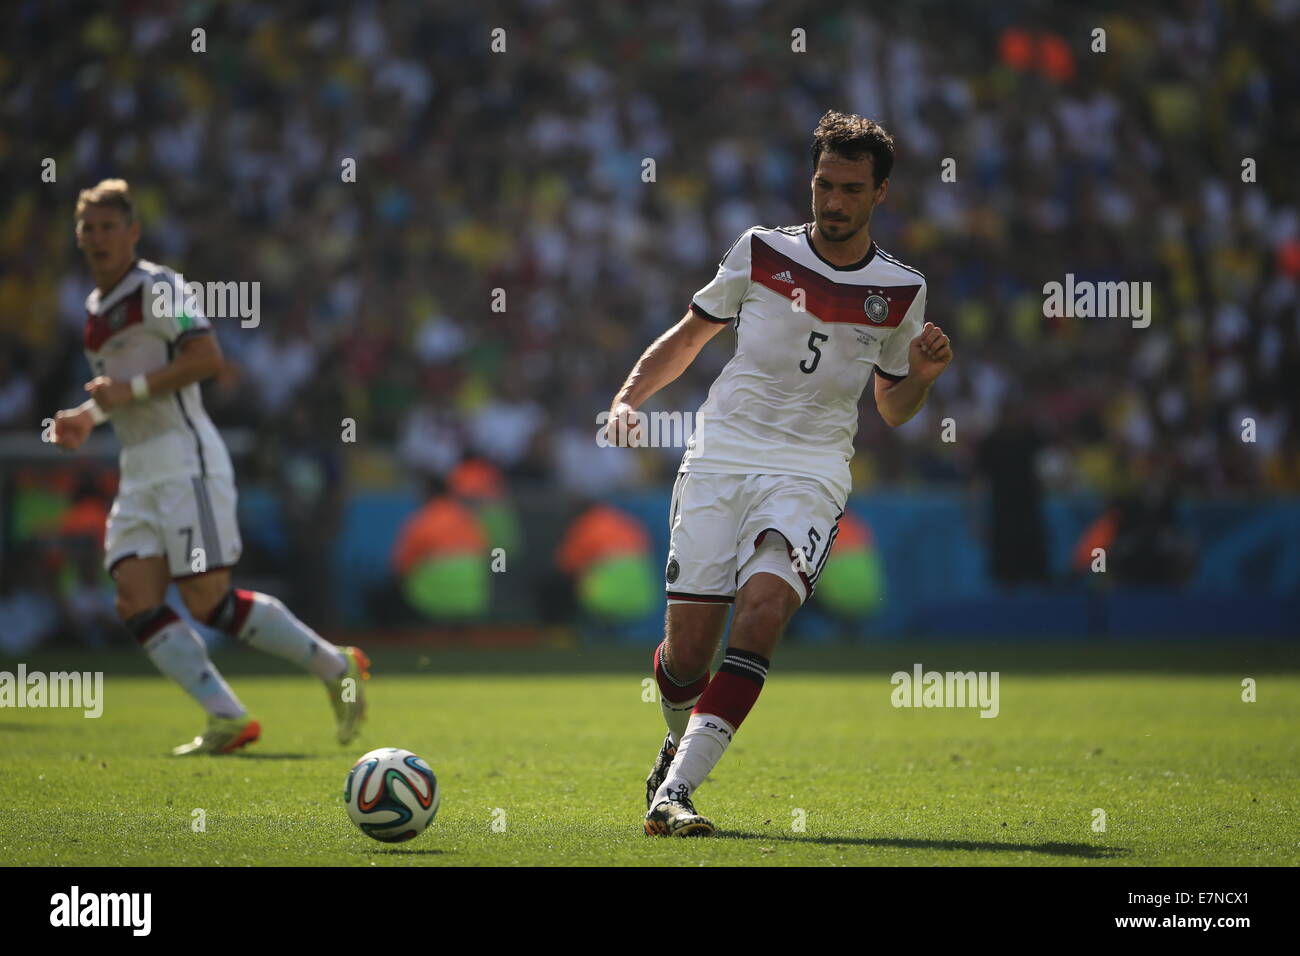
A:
{"x": 808, "y": 334}
{"x": 165, "y": 436}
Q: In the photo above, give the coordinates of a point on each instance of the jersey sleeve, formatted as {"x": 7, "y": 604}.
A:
{"x": 169, "y": 312}
{"x": 893, "y": 362}
{"x": 719, "y": 301}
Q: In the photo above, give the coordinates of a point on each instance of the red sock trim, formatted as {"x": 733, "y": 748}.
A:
{"x": 673, "y": 692}
{"x": 161, "y": 619}
{"x": 730, "y": 697}
{"x": 243, "y": 604}
{"x": 232, "y": 611}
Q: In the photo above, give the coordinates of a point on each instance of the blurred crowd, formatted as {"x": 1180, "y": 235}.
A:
{"x": 514, "y": 161}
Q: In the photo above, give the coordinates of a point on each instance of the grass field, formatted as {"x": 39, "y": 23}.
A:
{"x": 557, "y": 744}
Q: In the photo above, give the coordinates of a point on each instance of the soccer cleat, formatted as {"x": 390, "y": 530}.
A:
{"x": 677, "y": 818}
{"x": 349, "y": 714}
{"x": 224, "y": 735}
{"x": 659, "y": 772}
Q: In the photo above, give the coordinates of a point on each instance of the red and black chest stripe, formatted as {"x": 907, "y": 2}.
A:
{"x": 829, "y": 301}
{"x": 101, "y": 328}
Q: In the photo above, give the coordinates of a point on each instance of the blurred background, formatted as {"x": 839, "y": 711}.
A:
{"x": 470, "y": 501}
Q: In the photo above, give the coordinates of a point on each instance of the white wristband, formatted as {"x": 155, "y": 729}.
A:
{"x": 140, "y": 387}
{"x": 97, "y": 414}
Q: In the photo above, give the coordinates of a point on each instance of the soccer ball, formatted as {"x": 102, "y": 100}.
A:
{"x": 391, "y": 794}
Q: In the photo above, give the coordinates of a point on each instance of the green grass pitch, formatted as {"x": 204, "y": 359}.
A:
{"x": 554, "y": 746}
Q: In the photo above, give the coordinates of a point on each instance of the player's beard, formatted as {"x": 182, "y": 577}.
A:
{"x": 843, "y": 231}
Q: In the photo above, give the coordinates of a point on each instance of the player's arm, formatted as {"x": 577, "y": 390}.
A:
{"x": 666, "y": 358}
{"x": 197, "y": 357}
{"x": 928, "y": 355}
{"x": 72, "y": 426}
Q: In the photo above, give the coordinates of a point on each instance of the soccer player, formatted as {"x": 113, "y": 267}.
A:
{"x": 174, "y": 516}
{"x": 765, "y": 476}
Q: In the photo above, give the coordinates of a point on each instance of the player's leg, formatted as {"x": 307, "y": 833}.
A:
{"x": 180, "y": 654}
{"x": 704, "y": 517}
{"x": 680, "y": 664}
{"x": 764, "y": 605}
{"x": 133, "y": 557}
{"x": 260, "y": 620}
{"x": 774, "y": 581}
{"x": 168, "y": 641}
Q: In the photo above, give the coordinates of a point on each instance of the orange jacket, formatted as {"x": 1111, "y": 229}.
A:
{"x": 443, "y": 527}
{"x": 854, "y": 535}
{"x": 1100, "y": 534}
{"x": 85, "y": 518}
{"x": 600, "y": 532}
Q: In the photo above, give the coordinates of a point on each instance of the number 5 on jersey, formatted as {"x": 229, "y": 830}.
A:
{"x": 813, "y": 339}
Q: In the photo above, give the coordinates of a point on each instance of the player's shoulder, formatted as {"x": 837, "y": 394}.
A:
{"x": 884, "y": 261}
{"x": 772, "y": 231}
{"x": 777, "y": 232}
{"x": 772, "y": 235}
{"x": 155, "y": 271}
{"x": 156, "y": 280}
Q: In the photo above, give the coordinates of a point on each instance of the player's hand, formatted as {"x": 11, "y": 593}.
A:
{"x": 71, "y": 428}
{"x": 623, "y": 430}
{"x": 109, "y": 394}
{"x": 929, "y": 353}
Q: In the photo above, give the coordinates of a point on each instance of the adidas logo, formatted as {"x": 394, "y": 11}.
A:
{"x": 784, "y": 277}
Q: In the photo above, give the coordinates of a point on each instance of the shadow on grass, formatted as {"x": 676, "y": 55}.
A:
{"x": 396, "y": 851}
{"x": 9, "y": 726}
{"x": 1082, "y": 850}
{"x": 263, "y": 755}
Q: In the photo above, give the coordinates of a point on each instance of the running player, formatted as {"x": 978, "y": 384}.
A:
{"x": 174, "y": 516}
{"x": 765, "y": 476}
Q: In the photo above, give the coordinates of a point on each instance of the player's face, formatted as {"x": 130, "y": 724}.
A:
{"x": 107, "y": 240}
{"x": 844, "y": 194}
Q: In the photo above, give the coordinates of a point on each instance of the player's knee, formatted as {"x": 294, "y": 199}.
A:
{"x": 130, "y": 605}
{"x": 201, "y": 604}
{"x": 768, "y": 601}
{"x": 136, "y": 604}
{"x": 689, "y": 657}
{"x": 204, "y": 594}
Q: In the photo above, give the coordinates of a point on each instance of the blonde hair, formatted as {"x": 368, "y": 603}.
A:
{"x": 113, "y": 193}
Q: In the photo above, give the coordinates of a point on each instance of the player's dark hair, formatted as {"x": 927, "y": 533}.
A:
{"x": 854, "y": 137}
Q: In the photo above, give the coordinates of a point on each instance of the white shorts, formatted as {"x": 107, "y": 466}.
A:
{"x": 717, "y": 533}
{"x": 190, "y": 521}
